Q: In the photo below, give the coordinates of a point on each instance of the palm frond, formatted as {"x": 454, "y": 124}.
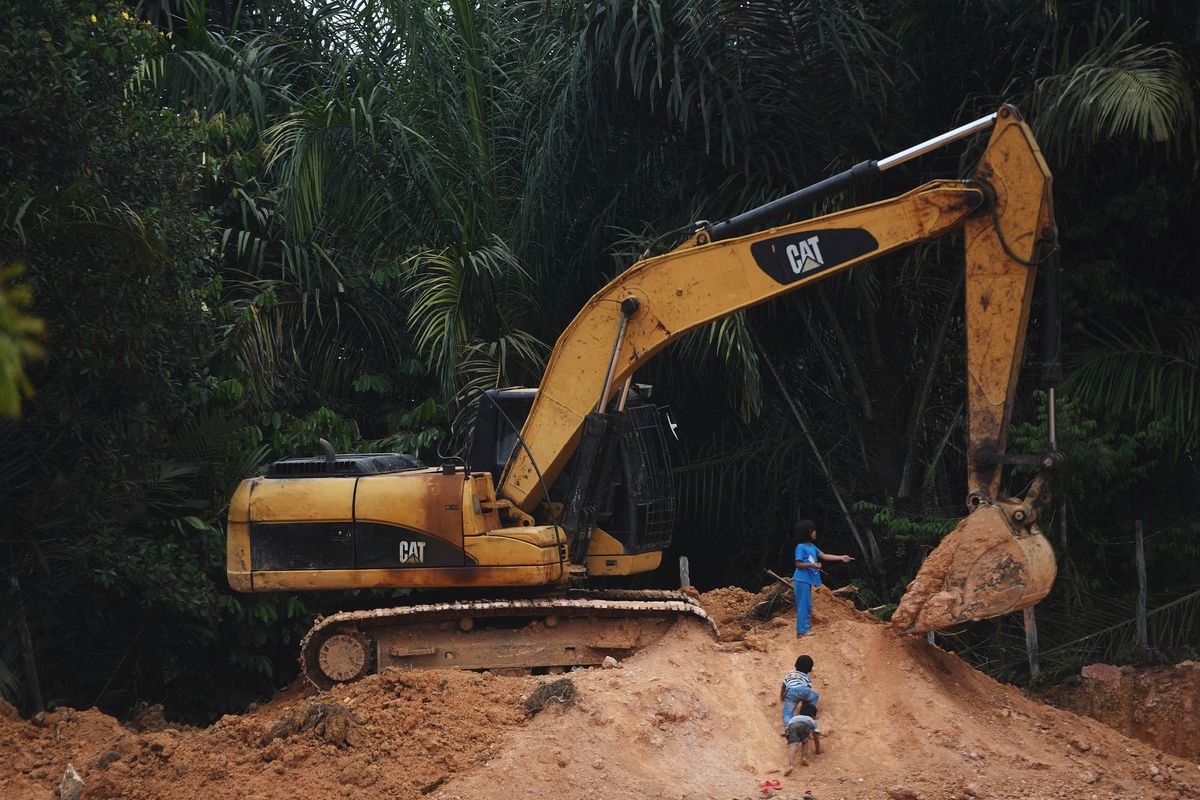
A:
{"x": 1149, "y": 371}
{"x": 468, "y": 306}
{"x": 727, "y": 347}
{"x": 20, "y": 339}
{"x": 1120, "y": 89}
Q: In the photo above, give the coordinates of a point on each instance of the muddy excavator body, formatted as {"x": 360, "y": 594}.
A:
{"x": 572, "y": 481}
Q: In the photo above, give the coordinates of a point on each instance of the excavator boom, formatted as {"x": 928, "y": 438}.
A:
{"x": 680, "y": 291}
{"x": 1005, "y": 212}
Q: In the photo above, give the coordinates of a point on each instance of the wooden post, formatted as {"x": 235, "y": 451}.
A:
{"x": 1031, "y": 642}
{"x": 685, "y": 579}
{"x": 1139, "y": 554}
{"x": 33, "y": 685}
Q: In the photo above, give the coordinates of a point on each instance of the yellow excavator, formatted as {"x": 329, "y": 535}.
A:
{"x": 572, "y": 481}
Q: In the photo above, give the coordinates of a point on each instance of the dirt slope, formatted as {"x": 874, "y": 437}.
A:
{"x": 1158, "y": 705}
{"x": 688, "y": 718}
{"x": 698, "y": 720}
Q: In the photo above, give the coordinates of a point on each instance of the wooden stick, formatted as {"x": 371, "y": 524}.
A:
{"x": 781, "y": 579}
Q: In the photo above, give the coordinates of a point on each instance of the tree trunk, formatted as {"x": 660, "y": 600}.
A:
{"x": 823, "y": 352}
{"x": 922, "y": 398}
{"x": 868, "y": 555}
{"x": 32, "y": 683}
{"x": 941, "y": 448}
{"x": 851, "y": 363}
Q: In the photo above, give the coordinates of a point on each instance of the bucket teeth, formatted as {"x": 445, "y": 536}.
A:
{"x": 987, "y": 566}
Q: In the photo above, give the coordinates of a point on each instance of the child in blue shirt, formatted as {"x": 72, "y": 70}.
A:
{"x": 808, "y": 572}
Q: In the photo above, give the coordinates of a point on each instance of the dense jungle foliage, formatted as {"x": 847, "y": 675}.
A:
{"x": 228, "y": 230}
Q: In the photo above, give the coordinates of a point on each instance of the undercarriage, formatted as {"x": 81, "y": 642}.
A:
{"x": 549, "y": 634}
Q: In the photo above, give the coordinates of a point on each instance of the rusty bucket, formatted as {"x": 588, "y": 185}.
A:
{"x": 987, "y": 566}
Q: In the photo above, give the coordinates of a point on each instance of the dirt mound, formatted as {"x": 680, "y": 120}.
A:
{"x": 729, "y": 607}
{"x": 693, "y": 718}
{"x": 1159, "y": 705}
{"x": 391, "y": 735}
{"x": 740, "y": 614}
{"x": 689, "y": 718}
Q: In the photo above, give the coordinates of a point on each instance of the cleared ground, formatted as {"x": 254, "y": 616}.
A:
{"x": 687, "y": 718}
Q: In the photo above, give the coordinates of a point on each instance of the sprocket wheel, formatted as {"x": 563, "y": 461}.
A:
{"x": 344, "y": 657}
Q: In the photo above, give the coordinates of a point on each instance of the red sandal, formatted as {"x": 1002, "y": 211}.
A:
{"x": 770, "y": 787}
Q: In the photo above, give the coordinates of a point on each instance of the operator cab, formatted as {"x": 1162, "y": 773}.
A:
{"x": 498, "y": 423}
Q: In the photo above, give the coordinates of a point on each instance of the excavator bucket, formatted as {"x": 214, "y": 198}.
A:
{"x": 987, "y": 566}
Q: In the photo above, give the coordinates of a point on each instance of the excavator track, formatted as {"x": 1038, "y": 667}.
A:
{"x": 551, "y": 633}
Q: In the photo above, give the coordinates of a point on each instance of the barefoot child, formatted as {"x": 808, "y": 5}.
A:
{"x": 797, "y": 688}
{"x": 798, "y": 730}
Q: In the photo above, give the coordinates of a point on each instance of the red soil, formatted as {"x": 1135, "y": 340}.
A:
{"x": 1159, "y": 705}
{"x": 687, "y": 718}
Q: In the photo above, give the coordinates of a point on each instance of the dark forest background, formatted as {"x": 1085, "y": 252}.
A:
{"x": 229, "y": 229}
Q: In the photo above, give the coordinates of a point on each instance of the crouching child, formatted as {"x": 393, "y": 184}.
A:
{"x": 798, "y": 730}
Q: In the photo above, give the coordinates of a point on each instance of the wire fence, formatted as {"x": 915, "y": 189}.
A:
{"x": 1171, "y": 627}
{"x": 1173, "y": 631}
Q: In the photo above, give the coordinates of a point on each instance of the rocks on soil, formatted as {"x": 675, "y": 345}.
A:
{"x": 1158, "y": 705}
{"x": 71, "y": 785}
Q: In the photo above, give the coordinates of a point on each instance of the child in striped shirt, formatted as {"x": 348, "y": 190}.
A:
{"x": 797, "y": 688}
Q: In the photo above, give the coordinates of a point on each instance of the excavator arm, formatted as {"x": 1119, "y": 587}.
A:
{"x": 996, "y": 560}
{"x": 1005, "y": 214}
